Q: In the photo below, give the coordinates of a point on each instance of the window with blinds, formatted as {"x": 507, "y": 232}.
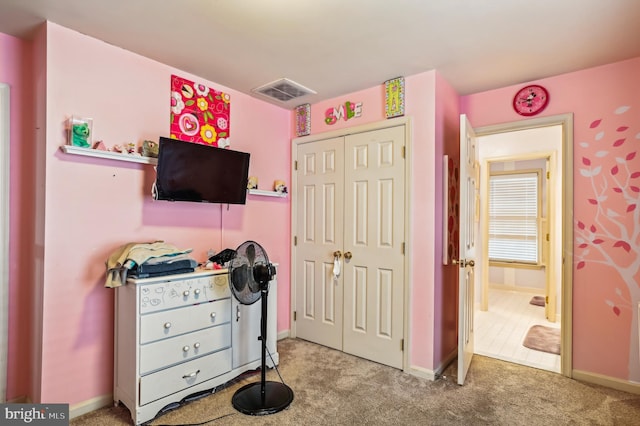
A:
{"x": 514, "y": 211}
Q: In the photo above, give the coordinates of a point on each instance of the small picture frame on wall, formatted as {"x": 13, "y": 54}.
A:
{"x": 303, "y": 119}
{"x": 394, "y": 97}
{"x": 80, "y": 131}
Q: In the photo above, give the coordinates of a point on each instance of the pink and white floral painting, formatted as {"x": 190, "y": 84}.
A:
{"x": 199, "y": 114}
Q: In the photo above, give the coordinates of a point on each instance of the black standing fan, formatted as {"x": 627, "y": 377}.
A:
{"x": 250, "y": 273}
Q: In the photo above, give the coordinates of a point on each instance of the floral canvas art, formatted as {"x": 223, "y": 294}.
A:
{"x": 199, "y": 114}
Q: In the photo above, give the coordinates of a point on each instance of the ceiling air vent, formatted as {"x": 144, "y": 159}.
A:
{"x": 283, "y": 90}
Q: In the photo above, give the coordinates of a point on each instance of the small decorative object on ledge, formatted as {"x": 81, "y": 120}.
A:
{"x": 394, "y": 97}
{"x": 280, "y": 187}
{"x": 303, "y": 120}
{"x": 79, "y": 131}
{"x": 252, "y": 182}
{"x": 150, "y": 149}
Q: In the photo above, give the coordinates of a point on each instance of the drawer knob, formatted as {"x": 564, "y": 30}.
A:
{"x": 190, "y": 375}
{"x": 213, "y": 315}
{"x": 185, "y": 348}
{"x": 196, "y": 291}
{"x": 167, "y": 325}
{"x": 196, "y": 345}
{"x": 185, "y": 293}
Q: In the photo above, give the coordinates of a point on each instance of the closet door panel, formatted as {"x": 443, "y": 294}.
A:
{"x": 374, "y": 234}
{"x": 319, "y": 228}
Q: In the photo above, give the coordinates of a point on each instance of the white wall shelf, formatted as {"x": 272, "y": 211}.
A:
{"x": 88, "y": 152}
{"x": 267, "y": 193}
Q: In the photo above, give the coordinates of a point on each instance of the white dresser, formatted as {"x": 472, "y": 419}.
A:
{"x": 182, "y": 334}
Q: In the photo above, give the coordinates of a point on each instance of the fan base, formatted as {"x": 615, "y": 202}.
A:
{"x": 248, "y": 399}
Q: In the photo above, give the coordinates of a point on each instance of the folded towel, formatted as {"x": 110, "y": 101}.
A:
{"x": 127, "y": 256}
{"x": 164, "y": 265}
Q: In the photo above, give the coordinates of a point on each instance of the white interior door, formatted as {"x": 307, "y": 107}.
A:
{"x": 373, "y": 245}
{"x": 467, "y": 245}
{"x": 319, "y": 227}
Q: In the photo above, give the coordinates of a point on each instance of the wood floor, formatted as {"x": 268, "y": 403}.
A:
{"x": 500, "y": 331}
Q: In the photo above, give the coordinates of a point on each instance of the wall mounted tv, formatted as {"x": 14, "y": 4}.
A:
{"x": 193, "y": 172}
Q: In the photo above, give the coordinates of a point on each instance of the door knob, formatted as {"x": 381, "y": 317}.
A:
{"x": 337, "y": 254}
{"x": 348, "y": 255}
{"x": 464, "y": 262}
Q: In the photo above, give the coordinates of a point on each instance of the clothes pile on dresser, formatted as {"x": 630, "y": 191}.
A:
{"x": 144, "y": 260}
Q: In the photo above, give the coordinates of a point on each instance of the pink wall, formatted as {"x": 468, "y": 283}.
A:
{"x": 92, "y": 206}
{"x": 605, "y": 102}
{"x": 15, "y": 66}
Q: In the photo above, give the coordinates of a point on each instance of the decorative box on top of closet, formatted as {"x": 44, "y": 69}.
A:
{"x": 182, "y": 334}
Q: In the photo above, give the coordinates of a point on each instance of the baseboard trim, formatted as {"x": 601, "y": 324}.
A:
{"x": 610, "y": 382}
{"x": 90, "y": 405}
{"x": 421, "y": 372}
{"x": 446, "y": 361}
{"x": 284, "y": 334}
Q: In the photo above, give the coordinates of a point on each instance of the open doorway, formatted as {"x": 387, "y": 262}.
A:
{"x": 508, "y": 307}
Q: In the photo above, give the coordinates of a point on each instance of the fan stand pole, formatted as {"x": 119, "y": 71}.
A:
{"x": 258, "y": 399}
{"x": 263, "y": 338}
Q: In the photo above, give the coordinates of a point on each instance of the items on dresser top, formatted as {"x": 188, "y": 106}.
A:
{"x": 130, "y": 255}
{"x": 164, "y": 265}
{"x": 223, "y": 257}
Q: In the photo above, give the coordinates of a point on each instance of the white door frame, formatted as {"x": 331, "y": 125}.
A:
{"x": 5, "y": 140}
{"x": 566, "y": 312}
{"x": 400, "y": 121}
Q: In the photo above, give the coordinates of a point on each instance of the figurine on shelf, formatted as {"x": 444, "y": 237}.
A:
{"x": 132, "y": 148}
{"x": 80, "y": 135}
{"x": 280, "y": 187}
{"x": 253, "y": 182}
{"x": 150, "y": 149}
{"x": 100, "y": 146}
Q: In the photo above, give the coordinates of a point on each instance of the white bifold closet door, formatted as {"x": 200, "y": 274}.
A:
{"x": 350, "y": 215}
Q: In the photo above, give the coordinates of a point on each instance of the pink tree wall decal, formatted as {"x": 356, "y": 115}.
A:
{"x": 609, "y": 233}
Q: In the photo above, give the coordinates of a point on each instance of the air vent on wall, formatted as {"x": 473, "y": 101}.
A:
{"x": 283, "y": 90}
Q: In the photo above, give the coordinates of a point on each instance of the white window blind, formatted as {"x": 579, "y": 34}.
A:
{"x": 513, "y": 217}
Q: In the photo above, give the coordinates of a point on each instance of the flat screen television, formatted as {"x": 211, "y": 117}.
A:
{"x": 189, "y": 171}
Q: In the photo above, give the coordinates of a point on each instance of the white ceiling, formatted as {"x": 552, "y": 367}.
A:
{"x": 336, "y": 47}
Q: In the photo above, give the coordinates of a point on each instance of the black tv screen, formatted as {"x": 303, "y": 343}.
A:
{"x": 189, "y": 171}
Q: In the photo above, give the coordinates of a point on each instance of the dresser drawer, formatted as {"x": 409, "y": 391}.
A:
{"x": 164, "y": 324}
{"x": 181, "y": 291}
{"x": 182, "y": 376}
{"x": 154, "y": 356}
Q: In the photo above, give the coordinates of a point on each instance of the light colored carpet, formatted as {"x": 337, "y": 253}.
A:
{"x": 333, "y": 388}
{"x": 543, "y": 338}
